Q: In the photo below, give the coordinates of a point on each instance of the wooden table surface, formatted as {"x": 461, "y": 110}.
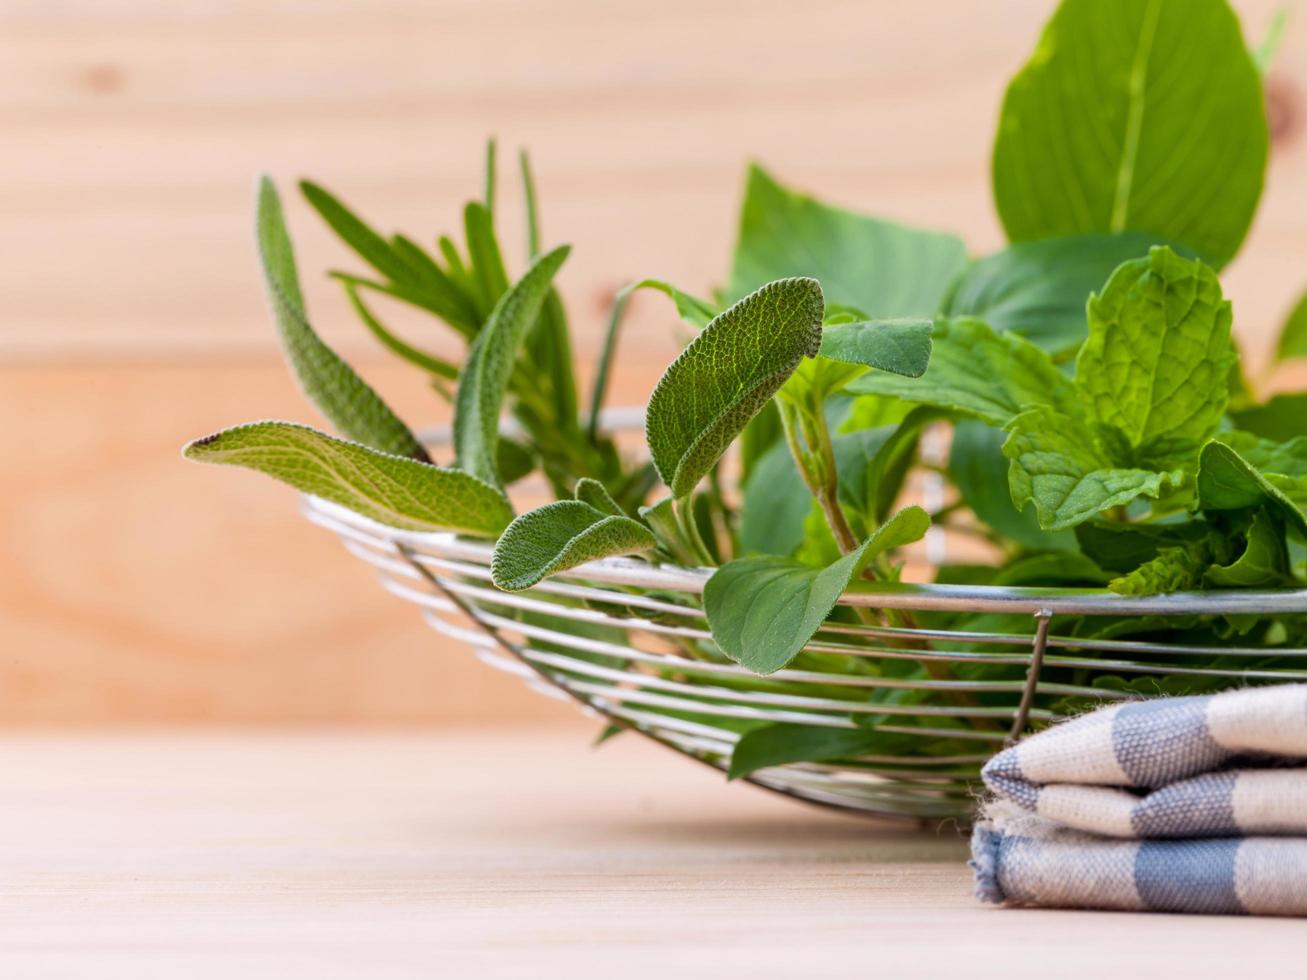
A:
{"x": 520, "y": 854}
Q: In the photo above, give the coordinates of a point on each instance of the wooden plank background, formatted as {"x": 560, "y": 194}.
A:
{"x": 136, "y": 588}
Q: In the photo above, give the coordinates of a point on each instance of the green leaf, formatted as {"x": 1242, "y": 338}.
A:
{"x": 900, "y": 346}
{"x": 428, "y": 362}
{"x": 1264, "y": 562}
{"x": 1157, "y": 362}
{"x": 483, "y": 249}
{"x": 1121, "y": 547}
{"x": 341, "y": 395}
{"x": 1173, "y": 570}
{"x": 776, "y": 503}
{"x": 357, "y": 234}
{"x": 1229, "y": 481}
{"x": 877, "y": 266}
{"x": 595, "y": 494}
{"x": 977, "y": 372}
{"x": 1134, "y": 115}
{"x": 1039, "y": 289}
{"x": 559, "y": 536}
{"x": 394, "y": 490}
{"x": 980, "y": 472}
{"x": 726, "y": 375}
{"x": 1282, "y": 418}
{"x": 1293, "y": 335}
{"x": 763, "y": 611}
{"x": 513, "y": 459}
{"x": 775, "y": 745}
{"x": 661, "y": 518}
{"x": 1058, "y": 463}
{"x": 489, "y": 366}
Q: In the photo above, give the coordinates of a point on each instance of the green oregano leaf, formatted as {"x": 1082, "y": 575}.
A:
{"x": 559, "y": 536}
{"x": 762, "y": 611}
{"x": 393, "y": 490}
{"x": 343, "y": 397}
{"x": 727, "y": 373}
{"x": 485, "y": 377}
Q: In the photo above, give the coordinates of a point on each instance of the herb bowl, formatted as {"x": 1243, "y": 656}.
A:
{"x": 640, "y": 677}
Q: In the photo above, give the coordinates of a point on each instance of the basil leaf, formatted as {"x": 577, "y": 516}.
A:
{"x": 1057, "y": 462}
{"x": 763, "y": 611}
{"x": 1115, "y": 125}
{"x": 877, "y": 266}
{"x": 900, "y": 346}
{"x": 977, "y": 372}
{"x": 775, "y": 745}
{"x": 1038, "y": 289}
{"x": 394, "y": 490}
{"x": 1157, "y": 362}
{"x": 726, "y": 374}
{"x": 342, "y": 396}
{"x": 1293, "y": 335}
{"x": 559, "y": 536}
{"x": 485, "y": 377}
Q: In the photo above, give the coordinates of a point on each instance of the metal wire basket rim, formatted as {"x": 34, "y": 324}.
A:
{"x": 1032, "y": 601}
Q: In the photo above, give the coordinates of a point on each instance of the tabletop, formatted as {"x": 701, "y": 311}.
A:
{"x": 514, "y": 854}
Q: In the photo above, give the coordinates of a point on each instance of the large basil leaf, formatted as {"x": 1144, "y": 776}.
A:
{"x": 394, "y": 490}
{"x": 726, "y": 375}
{"x": 1142, "y": 115}
{"x": 879, "y": 267}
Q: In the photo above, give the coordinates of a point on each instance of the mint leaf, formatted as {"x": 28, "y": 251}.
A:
{"x": 394, "y": 490}
{"x": 559, "y": 536}
{"x": 1158, "y": 358}
{"x": 1293, "y": 335}
{"x": 977, "y": 372}
{"x": 1229, "y": 481}
{"x": 1173, "y": 570}
{"x": 763, "y": 611}
{"x": 1038, "y": 289}
{"x": 1282, "y": 418}
{"x": 980, "y": 472}
{"x": 776, "y": 503}
{"x": 900, "y": 346}
{"x": 1121, "y": 547}
{"x": 1114, "y": 126}
{"x": 726, "y": 374}
{"x": 877, "y": 266}
{"x": 775, "y": 745}
{"x": 1263, "y": 563}
{"x": 1058, "y": 464}
{"x": 342, "y": 396}
{"x": 485, "y": 377}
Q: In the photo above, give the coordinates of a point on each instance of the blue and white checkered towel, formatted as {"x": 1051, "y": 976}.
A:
{"x": 1194, "y": 804}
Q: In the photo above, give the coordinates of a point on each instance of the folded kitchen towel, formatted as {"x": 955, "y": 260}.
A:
{"x": 1195, "y": 804}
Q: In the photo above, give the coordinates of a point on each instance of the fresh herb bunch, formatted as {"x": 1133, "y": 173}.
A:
{"x": 1101, "y": 430}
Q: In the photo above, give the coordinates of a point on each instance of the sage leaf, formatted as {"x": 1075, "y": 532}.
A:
{"x": 1114, "y": 126}
{"x": 489, "y": 366}
{"x": 356, "y": 233}
{"x": 1157, "y": 361}
{"x": 559, "y": 536}
{"x": 900, "y": 346}
{"x": 595, "y": 494}
{"x": 727, "y": 373}
{"x": 1057, "y": 463}
{"x": 1293, "y": 335}
{"x": 661, "y": 518}
{"x": 1229, "y": 481}
{"x": 342, "y": 396}
{"x": 775, "y": 745}
{"x": 1038, "y": 289}
{"x": 436, "y": 366}
{"x": 977, "y": 372}
{"x": 762, "y": 611}
{"x": 393, "y": 490}
{"x": 487, "y": 264}
{"x": 877, "y": 266}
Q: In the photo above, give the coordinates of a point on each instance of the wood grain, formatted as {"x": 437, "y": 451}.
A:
{"x": 473, "y": 855}
{"x": 136, "y": 589}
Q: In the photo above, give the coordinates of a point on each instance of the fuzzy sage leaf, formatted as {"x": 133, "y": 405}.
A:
{"x": 393, "y": 490}
{"x": 726, "y": 375}
{"x": 344, "y": 398}
{"x": 485, "y": 377}
{"x": 559, "y": 536}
